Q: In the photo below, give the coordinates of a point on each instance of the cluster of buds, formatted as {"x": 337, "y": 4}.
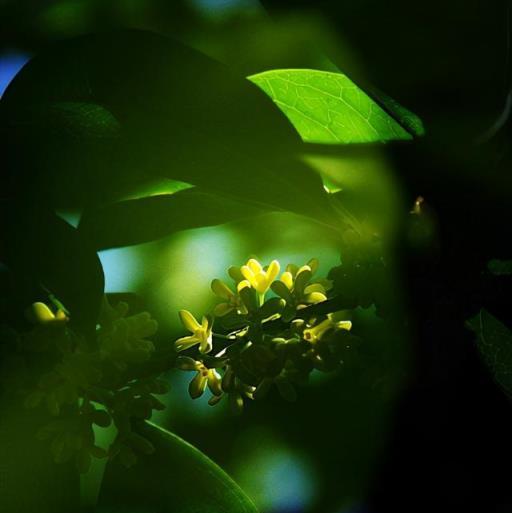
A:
{"x": 123, "y": 339}
{"x": 71, "y": 436}
{"x": 91, "y": 382}
{"x": 266, "y": 334}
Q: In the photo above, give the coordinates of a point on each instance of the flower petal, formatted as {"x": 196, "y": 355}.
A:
{"x": 189, "y": 321}
{"x": 344, "y": 325}
{"x": 314, "y": 287}
{"x": 292, "y": 268}
{"x": 247, "y": 274}
{"x": 221, "y": 289}
{"x": 313, "y": 265}
{"x": 206, "y": 344}
{"x": 287, "y": 279}
{"x": 222, "y": 309}
{"x": 61, "y": 316}
{"x": 254, "y": 266}
{"x": 197, "y": 385}
{"x": 185, "y": 342}
{"x": 260, "y": 283}
{"x": 243, "y": 284}
{"x": 282, "y": 290}
{"x": 315, "y": 297}
{"x": 302, "y": 279}
{"x": 235, "y": 274}
{"x": 214, "y": 382}
{"x": 273, "y": 271}
{"x": 41, "y": 313}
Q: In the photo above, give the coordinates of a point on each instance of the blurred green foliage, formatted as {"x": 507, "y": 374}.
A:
{"x": 116, "y": 126}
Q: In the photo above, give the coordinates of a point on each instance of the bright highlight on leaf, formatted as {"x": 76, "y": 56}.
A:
{"x": 326, "y": 107}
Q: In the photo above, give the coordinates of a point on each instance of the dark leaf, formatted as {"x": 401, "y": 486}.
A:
{"x": 146, "y": 219}
{"x": 500, "y": 267}
{"x": 494, "y": 341}
{"x": 176, "y": 478}
{"x": 181, "y": 115}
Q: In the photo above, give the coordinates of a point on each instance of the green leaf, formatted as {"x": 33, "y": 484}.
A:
{"x": 136, "y": 221}
{"x": 61, "y": 150}
{"x": 494, "y": 341}
{"x": 500, "y": 267}
{"x": 80, "y": 119}
{"x": 181, "y": 115}
{"x": 326, "y": 107}
{"x": 176, "y": 478}
{"x": 410, "y": 121}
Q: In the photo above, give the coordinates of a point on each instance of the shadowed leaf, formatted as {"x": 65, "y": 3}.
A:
{"x": 494, "y": 341}
{"x": 500, "y": 267}
{"x": 136, "y": 221}
{"x": 174, "y": 113}
{"x": 176, "y": 478}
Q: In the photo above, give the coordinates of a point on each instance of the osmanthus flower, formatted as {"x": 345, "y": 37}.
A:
{"x": 264, "y": 342}
{"x": 232, "y": 302}
{"x": 201, "y": 333}
{"x": 260, "y": 278}
{"x": 204, "y": 377}
{"x": 235, "y": 390}
{"x": 315, "y": 332}
{"x": 296, "y": 289}
{"x": 39, "y": 313}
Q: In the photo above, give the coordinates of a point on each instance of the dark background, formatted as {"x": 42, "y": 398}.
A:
{"x": 449, "y": 62}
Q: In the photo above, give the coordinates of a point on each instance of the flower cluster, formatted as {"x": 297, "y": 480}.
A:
{"x": 92, "y": 382}
{"x": 269, "y": 330}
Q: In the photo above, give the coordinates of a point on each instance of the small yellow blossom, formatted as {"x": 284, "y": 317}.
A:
{"x": 39, "y": 313}
{"x": 296, "y": 281}
{"x": 201, "y": 333}
{"x": 204, "y": 377}
{"x": 259, "y": 278}
{"x": 315, "y": 333}
{"x": 233, "y": 301}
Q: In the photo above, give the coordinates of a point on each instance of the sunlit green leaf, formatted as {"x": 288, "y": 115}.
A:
{"x": 494, "y": 341}
{"x": 176, "y": 478}
{"x": 326, "y": 107}
{"x": 136, "y": 221}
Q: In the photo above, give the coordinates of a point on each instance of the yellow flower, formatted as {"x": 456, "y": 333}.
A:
{"x": 315, "y": 333}
{"x": 314, "y": 293}
{"x": 296, "y": 280}
{"x": 39, "y": 313}
{"x": 204, "y": 376}
{"x": 233, "y": 301}
{"x": 201, "y": 333}
{"x": 258, "y": 277}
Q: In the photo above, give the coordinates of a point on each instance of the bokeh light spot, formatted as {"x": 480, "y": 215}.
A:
{"x": 277, "y": 477}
